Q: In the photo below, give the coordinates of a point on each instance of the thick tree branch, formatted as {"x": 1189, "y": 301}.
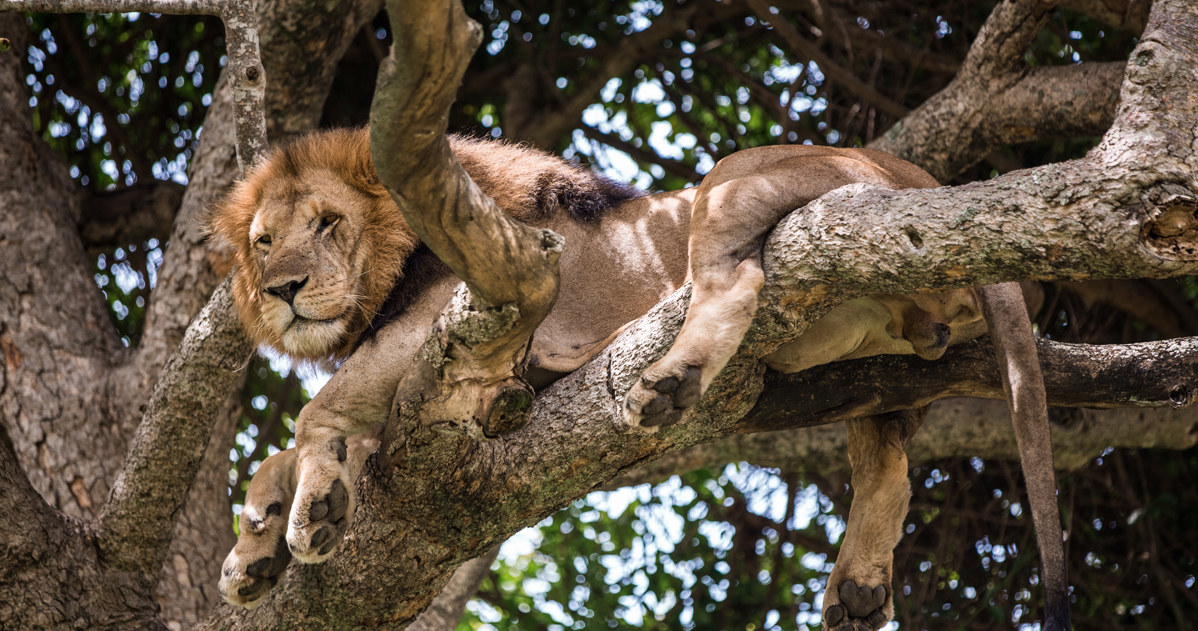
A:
{"x": 130, "y": 215}
{"x": 995, "y": 100}
{"x": 954, "y": 428}
{"x": 1124, "y": 211}
{"x": 171, "y": 438}
{"x": 1148, "y": 374}
{"x": 21, "y": 542}
{"x": 150, "y": 490}
{"x": 509, "y": 267}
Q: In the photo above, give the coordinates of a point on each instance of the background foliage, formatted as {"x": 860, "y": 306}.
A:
{"x": 654, "y": 93}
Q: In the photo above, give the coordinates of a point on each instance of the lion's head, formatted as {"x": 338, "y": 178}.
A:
{"x": 317, "y": 245}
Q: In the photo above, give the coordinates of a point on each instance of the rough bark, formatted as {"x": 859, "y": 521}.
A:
{"x": 57, "y": 338}
{"x": 117, "y": 382}
{"x": 954, "y": 428}
{"x": 1151, "y": 374}
{"x": 1116, "y": 213}
{"x": 428, "y": 508}
{"x": 471, "y": 372}
{"x": 997, "y": 100}
{"x": 446, "y": 609}
{"x": 49, "y": 557}
{"x": 135, "y": 214}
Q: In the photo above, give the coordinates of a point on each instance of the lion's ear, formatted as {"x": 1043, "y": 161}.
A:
{"x": 213, "y": 238}
{"x": 226, "y": 224}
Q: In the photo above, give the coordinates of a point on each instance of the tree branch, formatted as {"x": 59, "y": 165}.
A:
{"x": 150, "y": 491}
{"x": 995, "y": 100}
{"x": 808, "y": 51}
{"x": 241, "y": 35}
{"x": 616, "y": 61}
{"x": 509, "y": 267}
{"x": 129, "y": 215}
{"x": 1123, "y": 211}
{"x": 1129, "y": 15}
{"x": 446, "y": 609}
{"x": 170, "y": 441}
{"x": 954, "y": 428}
{"x": 648, "y": 156}
{"x": 1076, "y": 375}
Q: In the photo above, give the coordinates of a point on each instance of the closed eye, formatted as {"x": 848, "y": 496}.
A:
{"x": 327, "y": 221}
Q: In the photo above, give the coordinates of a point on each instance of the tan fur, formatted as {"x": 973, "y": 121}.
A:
{"x": 623, "y": 255}
{"x": 332, "y": 172}
{"x": 255, "y": 563}
{"x": 323, "y": 173}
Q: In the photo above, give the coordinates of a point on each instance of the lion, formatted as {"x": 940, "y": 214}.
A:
{"x": 327, "y": 271}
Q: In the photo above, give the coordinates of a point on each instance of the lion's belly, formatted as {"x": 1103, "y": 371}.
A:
{"x": 613, "y": 271}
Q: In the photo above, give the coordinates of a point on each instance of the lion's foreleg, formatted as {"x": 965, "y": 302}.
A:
{"x": 260, "y": 556}
{"x": 858, "y": 596}
{"x": 326, "y": 475}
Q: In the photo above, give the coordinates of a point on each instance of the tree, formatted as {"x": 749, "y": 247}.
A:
{"x": 84, "y": 403}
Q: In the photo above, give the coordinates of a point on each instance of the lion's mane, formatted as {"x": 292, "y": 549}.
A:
{"x": 528, "y": 184}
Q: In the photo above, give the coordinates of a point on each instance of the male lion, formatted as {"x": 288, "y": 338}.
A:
{"x": 326, "y": 270}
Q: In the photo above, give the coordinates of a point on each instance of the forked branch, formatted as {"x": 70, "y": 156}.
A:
{"x": 174, "y": 431}
{"x": 509, "y": 267}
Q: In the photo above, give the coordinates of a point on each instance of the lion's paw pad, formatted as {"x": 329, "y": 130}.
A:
{"x": 656, "y": 403}
{"x": 861, "y": 608}
{"x": 245, "y": 583}
{"x": 312, "y": 541}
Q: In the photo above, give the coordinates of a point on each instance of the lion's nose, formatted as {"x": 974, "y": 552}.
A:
{"x": 287, "y": 290}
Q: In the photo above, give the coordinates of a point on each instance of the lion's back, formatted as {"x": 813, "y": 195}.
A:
{"x": 532, "y": 185}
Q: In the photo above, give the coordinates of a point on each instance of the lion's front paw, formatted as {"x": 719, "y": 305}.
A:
{"x": 319, "y": 519}
{"x": 254, "y": 565}
{"x": 856, "y": 607}
{"x": 656, "y": 402}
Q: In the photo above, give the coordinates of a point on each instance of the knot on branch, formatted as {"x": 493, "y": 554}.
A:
{"x": 473, "y": 358}
{"x": 508, "y": 410}
{"x": 1170, "y": 228}
{"x": 464, "y": 324}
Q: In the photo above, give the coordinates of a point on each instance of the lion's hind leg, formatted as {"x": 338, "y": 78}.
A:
{"x": 858, "y": 596}
{"x": 261, "y": 555}
{"x": 737, "y": 204}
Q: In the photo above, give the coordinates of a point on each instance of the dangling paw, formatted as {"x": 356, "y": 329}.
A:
{"x": 254, "y": 565}
{"x": 856, "y": 607}
{"x": 319, "y": 520}
{"x": 661, "y": 402}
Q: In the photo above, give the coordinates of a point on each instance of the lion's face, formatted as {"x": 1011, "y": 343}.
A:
{"x": 307, "y": 241}
{"x": 319, "y": 246}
